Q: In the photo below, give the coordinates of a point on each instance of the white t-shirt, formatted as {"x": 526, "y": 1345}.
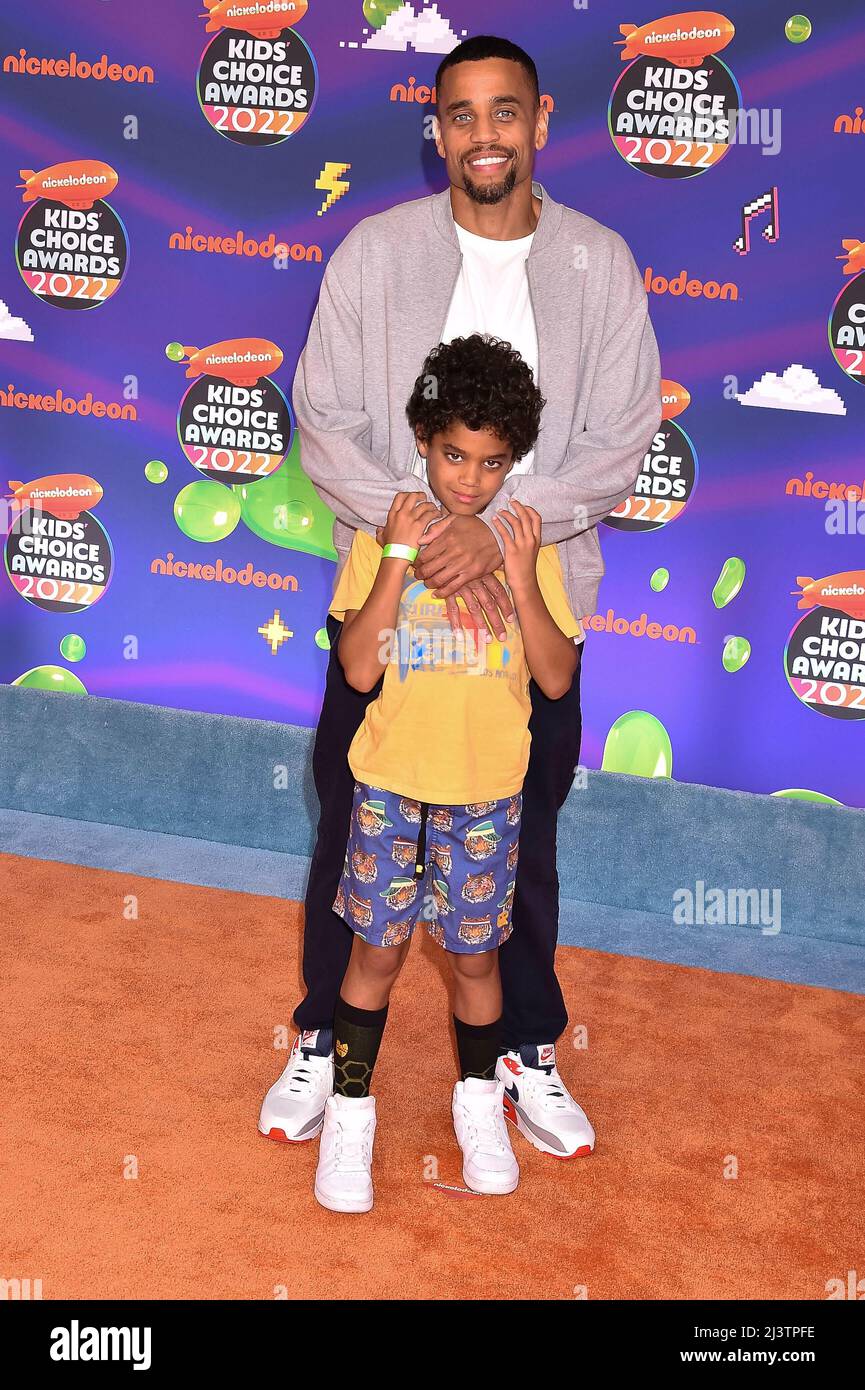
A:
{"x": 492, "y": 296}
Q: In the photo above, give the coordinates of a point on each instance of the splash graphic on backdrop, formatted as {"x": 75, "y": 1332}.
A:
{"x": 71, "y": 247}
{"x": 825, "y": 654}
{"x": 234, "y": 424}
{"x": 847, "y": 328}
{"x": 58, "y": 555}
{"x": 257, "y": 79}
{"x": 666, "y": 481}
{"x": 669, "y": 110}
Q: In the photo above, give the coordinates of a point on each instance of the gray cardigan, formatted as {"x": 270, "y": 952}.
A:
{"x": 383, "y": 304}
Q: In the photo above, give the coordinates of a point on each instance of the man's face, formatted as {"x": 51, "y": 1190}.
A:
{"x": 487, "y": 127}
{"x": 465, "y": 468}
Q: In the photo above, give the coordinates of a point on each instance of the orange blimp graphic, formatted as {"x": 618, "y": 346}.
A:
{"x": 242, "y": 361}
{"x": 253, "y": 17}
{"x": 64, "y": 495}
{"x": 683, "y": 39}
{"x": 76, "y": 182}
{"x": 853, "y": 255}
{"x": 845, "y": 591}
{"x": 674, "y": 399}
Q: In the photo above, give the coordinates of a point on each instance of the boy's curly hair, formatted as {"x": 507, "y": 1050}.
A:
{"x": 483, "y": 382}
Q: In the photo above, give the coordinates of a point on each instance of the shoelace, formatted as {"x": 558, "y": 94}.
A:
{"x": 351, "y": 1149}
{"x": 553, "y": 1094}
{"x": 300, "y": 1080}
{"x": 485, "y": 1131}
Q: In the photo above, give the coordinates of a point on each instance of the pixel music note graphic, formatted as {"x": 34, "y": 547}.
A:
{"x": 766, "y": 202}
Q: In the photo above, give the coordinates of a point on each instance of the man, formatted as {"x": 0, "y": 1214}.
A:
{"x": 492, "y": 253}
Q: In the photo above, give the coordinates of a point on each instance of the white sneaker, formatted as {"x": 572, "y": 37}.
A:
{"x": 293, "y": 1109}
{"x": 343, "y": 1178}
{"x": 489, "y": 1164}
{"x": 539, "y": 1103}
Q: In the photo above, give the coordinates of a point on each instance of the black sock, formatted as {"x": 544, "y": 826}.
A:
{"x": 357, "y": 1037}
{"x": 478, "y": 1048}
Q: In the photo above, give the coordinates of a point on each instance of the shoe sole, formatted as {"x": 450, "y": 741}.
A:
{"x": 282, "y": 1138}
{"x": 514, "y": 1118}
{"x": 491, "y": 1191}
{"x": 334, "y": 1204}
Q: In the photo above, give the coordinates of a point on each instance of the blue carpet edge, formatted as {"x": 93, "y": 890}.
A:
{"x": 792, "y": 959}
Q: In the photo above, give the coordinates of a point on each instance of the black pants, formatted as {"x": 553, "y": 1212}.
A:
{"x": 534, "y": 1010}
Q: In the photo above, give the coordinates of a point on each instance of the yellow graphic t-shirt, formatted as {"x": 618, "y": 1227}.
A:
{"x": 451, "y": 723}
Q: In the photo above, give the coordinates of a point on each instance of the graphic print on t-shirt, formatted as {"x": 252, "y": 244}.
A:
{"x": 426, "y": 642}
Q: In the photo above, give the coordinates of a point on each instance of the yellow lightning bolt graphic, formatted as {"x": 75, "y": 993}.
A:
{"x": 275, "y": 632}
{"x": 332, "y": 181}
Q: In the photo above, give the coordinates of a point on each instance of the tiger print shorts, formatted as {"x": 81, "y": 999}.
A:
{"x": 452, "y": 868}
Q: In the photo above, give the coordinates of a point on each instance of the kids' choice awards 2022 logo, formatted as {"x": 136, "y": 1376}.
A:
{"x": 825, "y": 654}
{"x": 58, "y": 555}
{"x": 234, "y": 424}
{"x": 71, "y": 247}
{"x": 847, "y": 316}
{"x": 670, "y": 111}
{"x": 257, "y": 80}
{"x": 668, "y": 476}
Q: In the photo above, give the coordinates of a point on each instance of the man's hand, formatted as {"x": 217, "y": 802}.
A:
{"x": 458, "y": 555}
{"x": 457, "y": 559}
{"x": 455, "y": 549}
{"x": 485, "y": 598}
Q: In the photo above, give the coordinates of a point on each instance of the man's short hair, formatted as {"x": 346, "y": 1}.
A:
{"x": 481, "y": 46}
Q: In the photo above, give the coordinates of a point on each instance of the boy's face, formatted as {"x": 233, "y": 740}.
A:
{"x": 465, "y": 468}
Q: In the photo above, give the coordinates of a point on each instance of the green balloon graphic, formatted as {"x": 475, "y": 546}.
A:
{"x": 286, "y": 509}
{"x": 155, "y": 471}
{"x": 659, "y": 580}
{"x": 729, "y": 582}
{"x": 174, "y": 352}
{"x": 638, "y": 744}
{"x": 73, "y": 647}
{"x": 736, "y": 652}
{"x": 322, "y": 640}
{"x": 51, "y": 678}
{"x": 206, "y": 511}
{"x": 375, "y": 12}
{"x": 798, "y": 28}
{"x": 801, "y": 794}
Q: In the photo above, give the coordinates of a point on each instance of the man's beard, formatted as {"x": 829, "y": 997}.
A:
{"x": 490, "y": 193}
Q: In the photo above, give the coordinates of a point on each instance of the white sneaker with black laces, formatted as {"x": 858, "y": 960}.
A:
{"x": 489, "y": 1164}
{"x": 343, "y": 1178}
{"x": 539, "y": 1103}
{"x": 293, "y": 1109}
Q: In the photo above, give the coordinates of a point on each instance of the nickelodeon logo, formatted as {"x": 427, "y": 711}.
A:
{"x": 683, "y": 283}
{"x": 425, "y": 96}
{"x": 821, "y": 488}
{"x": 73, "y": 66}
{"x": 241, "y": 244}
{"x": 638, "y": 627}
{"x": 849, "y": 125}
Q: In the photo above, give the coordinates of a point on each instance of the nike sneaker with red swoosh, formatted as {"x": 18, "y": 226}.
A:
{"x": 293, "y": 1109}
{"x": 539, "y": 1104}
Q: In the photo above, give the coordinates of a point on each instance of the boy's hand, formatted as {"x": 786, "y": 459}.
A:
{"x": 521, "y": 544}
{"x": 410, "y": 513}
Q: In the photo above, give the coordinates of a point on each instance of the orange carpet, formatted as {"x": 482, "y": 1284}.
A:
{"x": 138, "y": 1019}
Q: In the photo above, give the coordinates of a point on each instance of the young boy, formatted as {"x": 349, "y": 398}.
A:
{"x": 440, "y": 759}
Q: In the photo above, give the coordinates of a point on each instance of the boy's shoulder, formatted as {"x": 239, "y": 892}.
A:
{"x": 365, "y": 546}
